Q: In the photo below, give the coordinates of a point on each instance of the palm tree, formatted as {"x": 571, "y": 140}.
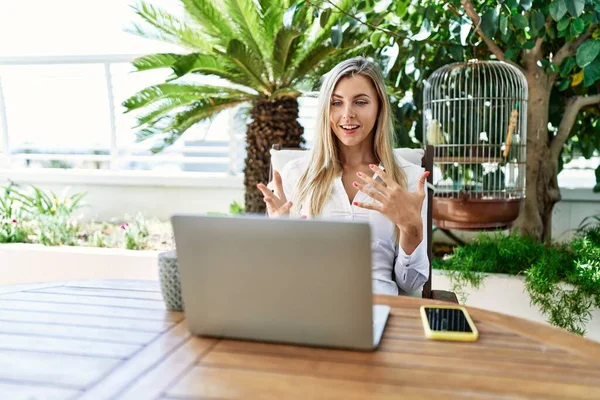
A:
{"x": 259, "y": 58}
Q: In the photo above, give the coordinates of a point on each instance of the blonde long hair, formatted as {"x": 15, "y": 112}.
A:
{"x": 325, "y": 165}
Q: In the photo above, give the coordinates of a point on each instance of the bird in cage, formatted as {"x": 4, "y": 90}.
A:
{"x": 435, "y": 134}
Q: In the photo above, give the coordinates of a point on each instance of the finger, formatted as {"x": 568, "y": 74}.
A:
{"x": 384, "y": 175}
{"x": 371, "y": 193}
{"x": 279, "y": 186}
{"x": 270, "y": 205}
{"x": 376, "y": 185}
{"x": 422, "y": 183}
{"x": 284, "y": 209}
{"x": 368, "y": 206}
{"x": 265, "y": 191}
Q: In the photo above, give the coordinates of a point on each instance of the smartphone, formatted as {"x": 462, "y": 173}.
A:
{"x": 451, "y": 322}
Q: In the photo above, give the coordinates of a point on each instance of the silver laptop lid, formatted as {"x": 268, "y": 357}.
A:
{"x": 283, "y": 280}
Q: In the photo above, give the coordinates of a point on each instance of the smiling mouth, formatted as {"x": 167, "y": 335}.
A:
{"x": 350, "y": 128}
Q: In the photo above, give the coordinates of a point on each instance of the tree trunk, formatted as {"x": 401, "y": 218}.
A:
{"x": 273, "y": 122}
{"x": 542, "y": 191}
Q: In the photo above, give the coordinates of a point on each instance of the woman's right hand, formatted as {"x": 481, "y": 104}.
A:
{"x": 277, "y": 204}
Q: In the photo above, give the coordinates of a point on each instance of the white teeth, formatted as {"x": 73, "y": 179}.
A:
{"x": 349, "y": 126}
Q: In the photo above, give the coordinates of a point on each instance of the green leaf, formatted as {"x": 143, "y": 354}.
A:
{"x": 526, "y": 4}
{"x": 564, "y": 84}
{"x": 324, "y": 17}
{"x": 512, "y": 4}
{"x": 337, "y": 35}
{"x": 519, "y": 21}
{"x": 197, "y": 62}
{"x": 375, "y": 36}
{"x": 558, "y": 9}
{"x": 249, "y": 63}
{"x": 577, "y": 27}
{"x": 591, "y": 73}
{"x": 311, "y": 60}
{"x": 575, "y": 7}
{"x": 211, "y": 65}
{"x": 511, "y": 52}
{"x": 503, "y": 24}
{"x": 154, "y": 61}
{"x": 212, "y": 19}
{"x": 563, "y": 24}
{"x": 284, "y": 49}
{"x": 528, "y": 45}
{"x": 456, "y": 52}
{"x": 587, "y": 52}
{"x": 246, "y": 17}
{"x": 157, "y": 92}
{"x": 154, "y": 115}
{"x": 166, "y": 27}
{"x": 537, "y": 20}
{"x": 489, "y": 22}
{"x": 567, "y": 66}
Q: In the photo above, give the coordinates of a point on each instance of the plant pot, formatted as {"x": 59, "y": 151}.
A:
{"x": 474, "y": 214}
{"x": 170, "y": 283}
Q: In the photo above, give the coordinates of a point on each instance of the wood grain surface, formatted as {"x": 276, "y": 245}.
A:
{"x": 115, "y": 340}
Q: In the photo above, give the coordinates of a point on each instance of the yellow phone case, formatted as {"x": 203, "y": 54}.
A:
{"x": 443, "y": 335}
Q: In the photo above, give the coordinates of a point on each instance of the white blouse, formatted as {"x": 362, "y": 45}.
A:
{"x": 411, "y": 271}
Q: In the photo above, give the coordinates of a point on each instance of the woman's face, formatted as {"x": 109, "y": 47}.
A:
{"x": 354, "y": 109}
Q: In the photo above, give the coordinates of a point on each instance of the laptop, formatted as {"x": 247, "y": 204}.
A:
{"x": 304, "y": 282}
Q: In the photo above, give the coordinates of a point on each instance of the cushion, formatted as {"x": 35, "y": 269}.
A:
{"x": 281, "y": 157}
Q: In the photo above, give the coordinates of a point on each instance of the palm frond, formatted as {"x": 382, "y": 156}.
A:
{"x": 162, "y": 110}
{"x": 205, "y": 64}
{"x": 155, "y": 61}
{"x": 210, "y": 17}
{"x": 168, "y": 28}
{"x": 164, "y": 107}
{"x": 249, "y": 64}
{"x": 245, "y": 15}
{"x": 272, "y": 21}
{"x": 284, "y": 50}
{"x": 218, "y": 65}
{"x": 310, "y": 61}
{"x": 180, "y": 123}
{"x": 154, "y": 93}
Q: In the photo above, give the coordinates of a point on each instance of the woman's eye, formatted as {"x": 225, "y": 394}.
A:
{"x": 336, "y": 103}
{"x": 361, "y": 103}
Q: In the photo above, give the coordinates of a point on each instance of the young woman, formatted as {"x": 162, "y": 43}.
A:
{"x": 352, "y": 173}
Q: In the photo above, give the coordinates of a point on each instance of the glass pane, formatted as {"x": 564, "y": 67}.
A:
{"x": 60, "y": 109}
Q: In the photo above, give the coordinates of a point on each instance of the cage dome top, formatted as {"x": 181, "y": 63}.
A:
{"x": 477, "y": 78}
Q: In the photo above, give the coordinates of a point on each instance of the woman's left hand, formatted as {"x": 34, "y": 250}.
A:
{"x": 402, "y": 207}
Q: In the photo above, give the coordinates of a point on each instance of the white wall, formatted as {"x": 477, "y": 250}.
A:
{"x": 115, "y": 194}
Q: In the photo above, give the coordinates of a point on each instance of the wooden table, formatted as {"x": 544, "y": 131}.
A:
{"x": 114, "y": 339}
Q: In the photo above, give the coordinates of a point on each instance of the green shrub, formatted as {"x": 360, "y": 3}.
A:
{"x": 563, "y": 280}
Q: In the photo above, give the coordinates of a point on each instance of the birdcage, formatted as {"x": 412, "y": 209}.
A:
{"x": 475, "y": 114}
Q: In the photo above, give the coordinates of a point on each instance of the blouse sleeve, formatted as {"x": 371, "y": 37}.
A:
{"x": 412, "y": 271}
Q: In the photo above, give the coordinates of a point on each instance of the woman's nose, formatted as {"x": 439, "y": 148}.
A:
{"x": 348, "y": 112}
